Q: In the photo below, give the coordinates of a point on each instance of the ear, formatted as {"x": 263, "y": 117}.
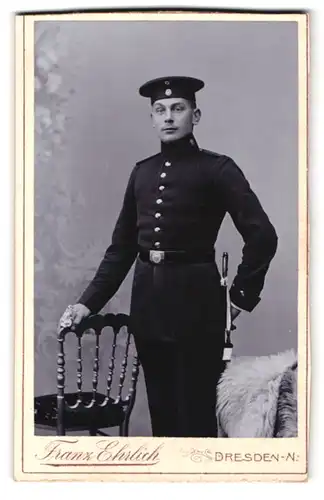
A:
{"x": 151, "y": 115}
{"x": 196, "y": 116}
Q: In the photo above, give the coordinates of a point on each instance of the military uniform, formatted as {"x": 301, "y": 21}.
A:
{"x": 174, "y": 205}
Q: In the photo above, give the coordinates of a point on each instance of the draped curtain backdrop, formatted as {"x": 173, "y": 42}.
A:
{"x": 91, "y": 126}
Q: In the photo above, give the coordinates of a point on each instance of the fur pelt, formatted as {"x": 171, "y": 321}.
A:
{"x": 257, "y": 397}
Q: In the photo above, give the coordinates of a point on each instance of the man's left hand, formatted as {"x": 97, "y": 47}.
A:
{"x": 234, "y": 313}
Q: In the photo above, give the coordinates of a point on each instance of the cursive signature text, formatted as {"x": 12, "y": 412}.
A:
{"x": 106, "y": 452}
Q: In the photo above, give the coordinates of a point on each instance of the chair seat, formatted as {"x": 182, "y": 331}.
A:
{"x": 81, "y": 418}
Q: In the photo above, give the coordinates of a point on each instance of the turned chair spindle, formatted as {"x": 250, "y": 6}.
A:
{"x": 92, "y": 411}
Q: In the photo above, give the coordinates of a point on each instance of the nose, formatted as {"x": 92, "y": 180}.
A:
{"x": 168, "y": 116}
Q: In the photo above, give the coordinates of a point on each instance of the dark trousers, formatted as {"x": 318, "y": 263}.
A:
{"x": 181, "y": 381}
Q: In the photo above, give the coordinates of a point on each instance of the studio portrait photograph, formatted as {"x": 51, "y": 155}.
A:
{"x": 164, "y": 193}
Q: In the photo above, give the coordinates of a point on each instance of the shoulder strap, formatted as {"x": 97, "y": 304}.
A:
{"x": 147, "y": 159}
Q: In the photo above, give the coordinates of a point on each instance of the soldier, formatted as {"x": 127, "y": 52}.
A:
{"x": 174, "y": 205}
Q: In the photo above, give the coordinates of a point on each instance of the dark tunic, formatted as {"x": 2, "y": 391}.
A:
{"x": 177, "y": 200}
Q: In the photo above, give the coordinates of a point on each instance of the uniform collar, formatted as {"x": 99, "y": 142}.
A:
{"x": 185, "y": 146}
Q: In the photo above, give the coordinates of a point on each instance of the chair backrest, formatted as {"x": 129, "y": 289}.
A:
{"x": 97, "y": 323}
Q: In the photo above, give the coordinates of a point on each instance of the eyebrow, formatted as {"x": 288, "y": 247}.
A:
{"x": 178, "y": 103}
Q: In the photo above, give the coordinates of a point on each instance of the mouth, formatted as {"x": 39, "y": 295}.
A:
{"x": 169, "y": 129}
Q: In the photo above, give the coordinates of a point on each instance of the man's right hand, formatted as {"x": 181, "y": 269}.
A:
{"x": 73, "y": 315}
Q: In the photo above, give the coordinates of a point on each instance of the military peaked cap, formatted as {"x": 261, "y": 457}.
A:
{"x": 171, "y": 86}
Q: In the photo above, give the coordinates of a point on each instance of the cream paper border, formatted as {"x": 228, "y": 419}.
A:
{"x": 169, "y": 459}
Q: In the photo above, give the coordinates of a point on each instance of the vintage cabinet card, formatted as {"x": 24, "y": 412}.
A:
{"x": 225, "y": 160}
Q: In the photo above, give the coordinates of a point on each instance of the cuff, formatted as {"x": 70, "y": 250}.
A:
{"x": 243, "y": 300}
{"x": 93, "y": 299}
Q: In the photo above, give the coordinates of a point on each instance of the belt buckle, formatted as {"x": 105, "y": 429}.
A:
{"x": 156, "y": 256}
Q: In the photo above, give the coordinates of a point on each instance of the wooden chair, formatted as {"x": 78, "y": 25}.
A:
{"x": 92, "y": 411}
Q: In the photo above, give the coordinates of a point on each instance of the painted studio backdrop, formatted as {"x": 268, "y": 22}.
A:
{"x": 91, "y": 126}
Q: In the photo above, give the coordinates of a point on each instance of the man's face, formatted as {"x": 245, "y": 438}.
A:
{"x": 174, "y": 118}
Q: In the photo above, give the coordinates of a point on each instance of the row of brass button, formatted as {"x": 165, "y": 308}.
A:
{"x": 159, "y": 201}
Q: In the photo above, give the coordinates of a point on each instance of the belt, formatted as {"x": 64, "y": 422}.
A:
{"x": 176, "y": 256}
